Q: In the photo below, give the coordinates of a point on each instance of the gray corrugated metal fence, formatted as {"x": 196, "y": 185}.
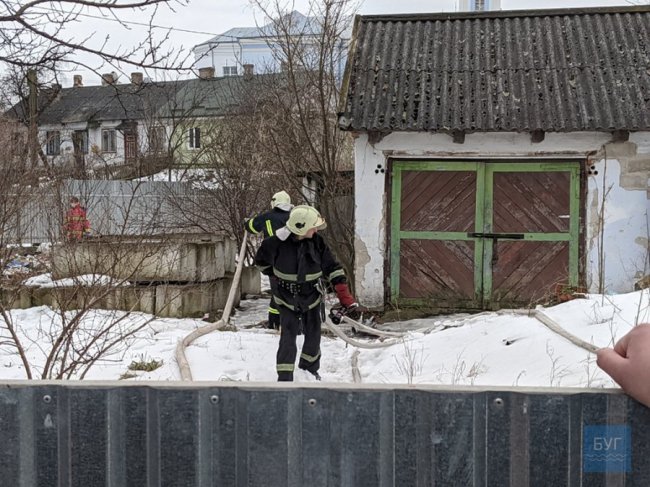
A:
{"x": 92, "y": 434}
{"x": 114, "y": 208}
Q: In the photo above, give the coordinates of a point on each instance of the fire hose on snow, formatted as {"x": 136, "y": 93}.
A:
{"x": 181, "y": 359}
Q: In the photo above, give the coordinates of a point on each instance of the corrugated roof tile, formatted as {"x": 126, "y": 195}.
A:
{"x": 555, "y": 70}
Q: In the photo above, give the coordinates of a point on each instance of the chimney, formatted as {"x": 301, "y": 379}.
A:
{"x": 137, "y": 78}
{"x": 249, "y": 71}
{"x": 206, "y": 73}
{"x": 107, "y": 79}
{"x": 77, "y": 81}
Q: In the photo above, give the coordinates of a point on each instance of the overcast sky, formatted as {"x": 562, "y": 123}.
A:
{"x": 207, "y": 18}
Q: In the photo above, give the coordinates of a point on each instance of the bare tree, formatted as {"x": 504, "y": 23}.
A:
{"x": 36, "y": 33}
{"x": 299, "y": 132}
{"x": 213, "y": 140}
{"x": 39, "y": 40}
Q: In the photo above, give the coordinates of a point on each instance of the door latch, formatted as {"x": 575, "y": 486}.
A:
{"x": 495, "y": 236}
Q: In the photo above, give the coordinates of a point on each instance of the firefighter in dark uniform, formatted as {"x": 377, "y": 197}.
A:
{"x": 267, "y": 223}
{"x": 299, "y": 258}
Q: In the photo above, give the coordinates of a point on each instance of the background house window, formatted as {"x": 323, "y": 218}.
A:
{"x": 157, "y": 139}
{"x": 53, "y": 144}
{"x": 195, "y": 138}
{"x": 230, "y": 70}
{"x": 108, "y": 141}
{"x": 80, "y": 141}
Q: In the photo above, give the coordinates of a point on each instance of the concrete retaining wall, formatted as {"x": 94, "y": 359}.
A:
{"x": 173, "y": 276}
{"x": 165, "y": 300}
{"x": 250, "y": 281}
{"x": 171, "y": 258}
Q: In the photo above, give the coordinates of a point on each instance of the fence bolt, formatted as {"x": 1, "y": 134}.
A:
{"x": 498, "y": 402}
{"x": 312, "y": 402}
{"x": 47, "y": 399}
{"x": 214, "y": 399}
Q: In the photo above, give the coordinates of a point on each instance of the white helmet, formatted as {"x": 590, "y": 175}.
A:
{"x": 280, "y": 198}
{"x": 303, "y": 218}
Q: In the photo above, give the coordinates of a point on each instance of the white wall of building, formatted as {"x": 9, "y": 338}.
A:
{"x": 245, "y": 51}
{"x": 95, "y": 156}
{"x": 625, "y": 241}
{"x": 478, "y": 5}
{"x": 249, "y": 51}
{"x": 620, "y": 191}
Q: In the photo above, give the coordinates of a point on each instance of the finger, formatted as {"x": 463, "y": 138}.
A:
{"x": 614, "y": 364}
{"x": 622, "y": 344}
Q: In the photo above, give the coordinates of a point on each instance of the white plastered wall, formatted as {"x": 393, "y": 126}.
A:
{"x": 619, "y": 193}
{"x": 626, "y": 205}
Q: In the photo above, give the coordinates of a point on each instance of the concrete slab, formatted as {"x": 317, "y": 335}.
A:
{"x": 191, "y": 258}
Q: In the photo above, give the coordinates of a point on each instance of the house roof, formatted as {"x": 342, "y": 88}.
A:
{"x": 210, "y": 98}
{"x": 100, "y": 103}
{"x": 552, "y": 70}
{"x": 299, "y": 23}
{"x": 196, "y": 97}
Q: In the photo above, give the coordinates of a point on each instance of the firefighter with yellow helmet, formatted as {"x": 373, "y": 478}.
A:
{"x": 266, "y": 224}
{"x": 299, "y": 259}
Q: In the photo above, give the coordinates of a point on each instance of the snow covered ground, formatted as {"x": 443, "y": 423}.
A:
{"x": 488, "y": 349}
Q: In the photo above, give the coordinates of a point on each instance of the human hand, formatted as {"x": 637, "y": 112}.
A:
{"x": 628, "y": 363}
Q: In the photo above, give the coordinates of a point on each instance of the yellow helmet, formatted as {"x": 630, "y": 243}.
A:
{"x": 303, "y": 218}
{"x": 279, "y": 198}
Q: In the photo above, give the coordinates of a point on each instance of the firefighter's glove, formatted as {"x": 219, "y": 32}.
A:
{"x": 343, "y": 293}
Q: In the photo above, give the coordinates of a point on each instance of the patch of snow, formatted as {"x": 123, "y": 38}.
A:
{"x": 45, "y": 280}
{"x": 490, "y": 349}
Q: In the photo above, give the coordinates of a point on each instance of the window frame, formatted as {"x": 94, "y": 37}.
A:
{"x": 111, "y": 142}
{"x": 53, "y": 142}
{"x": 230, "y": 71}
{"x": 194, "y": 139}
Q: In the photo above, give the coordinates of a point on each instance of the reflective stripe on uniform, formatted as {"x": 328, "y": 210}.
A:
{"x": 309, "y": 358}
{"x": 294, "y": 277}
{"x": 293, "y": 308}
{"x": 250, "y": 225}
{"x": 269, "y": 228}
{"x": 273, "y": 311}
{"x": 337, "y": 273}
{"x": 285, "y": 367}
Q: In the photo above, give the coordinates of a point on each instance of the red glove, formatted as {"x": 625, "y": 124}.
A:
{"x": 343, "y": 293}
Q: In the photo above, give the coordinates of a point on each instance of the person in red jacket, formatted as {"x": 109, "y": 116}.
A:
{"x": 76, "y": 224}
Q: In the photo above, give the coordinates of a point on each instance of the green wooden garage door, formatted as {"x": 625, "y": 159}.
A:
{"x": 480, "y": 235}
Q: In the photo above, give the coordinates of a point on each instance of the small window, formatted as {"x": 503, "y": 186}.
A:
{"x": 80, "y": 141}
{"x": 230, "y": 70}
{"x": 108, "y": 141}
{"x": 53, "y": 147}
{"x": 157, "y": 139}
{"x": 195, "y": 138}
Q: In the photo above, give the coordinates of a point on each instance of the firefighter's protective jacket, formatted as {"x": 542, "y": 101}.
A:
{"x": 298, "y": 265}
{"x": 267, "y": 222}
